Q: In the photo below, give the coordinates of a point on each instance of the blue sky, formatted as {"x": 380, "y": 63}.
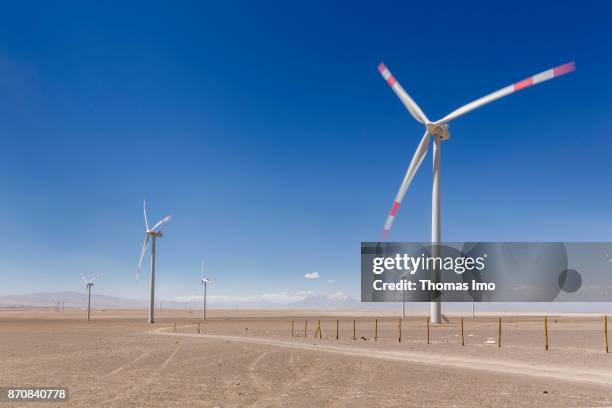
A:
{"x": 267, "y": 131}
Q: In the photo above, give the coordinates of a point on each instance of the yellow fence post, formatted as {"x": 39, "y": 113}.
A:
{"x": 337, "y": 329}
{"x": 199, "y": 332}
{"x": 546, "y": 332}
{"x": 375, "y": 329}
{"x": 318, "y": 330}
{"x": 462, "y": 338}
{"x": 427, "y": 321}
{"x": 499, "y": 333}
{"x": 174, "y": 327}
{"x": 305, "y": 328}
{"x": 606, "y": 332}
{"x": 292, "y": 328}
{"x": 354, "y": 336}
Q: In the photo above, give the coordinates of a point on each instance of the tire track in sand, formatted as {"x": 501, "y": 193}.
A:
{"x": 130, "y": 363}
{"x": 296, "y": 377}
{"x": 148, "y": 381}
{"x": 558, "y": 372}
{"x": 253, "y": 373}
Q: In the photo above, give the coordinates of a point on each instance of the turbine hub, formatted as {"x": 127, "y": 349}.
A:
{"x": 440, "y": 131}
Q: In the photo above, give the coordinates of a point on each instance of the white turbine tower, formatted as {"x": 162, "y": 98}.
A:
{"x": 88, "y": 284}
{"x": 439, "y": 130}
{"x": 204, "y": 282}
{"x": 151, "y": 233}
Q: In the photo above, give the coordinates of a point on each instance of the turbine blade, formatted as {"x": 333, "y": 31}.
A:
{"x": 416, "y": 161}
{"x": 165, "y": 219}
{"x": 94, "y": 278}
{"x": 525, "y": 83}
{"x": 408, "y": 102}
{"x": 144, "y": 205}
{"x": 142, "y": 254}
{"x": 202, "y": 281}
{"x": 84, "y": 280}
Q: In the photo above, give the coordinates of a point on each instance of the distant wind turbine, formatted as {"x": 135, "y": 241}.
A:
{"x": 204, "y": 282}
{"x": 88, "y": 284}
{"x": 151, "y": 233}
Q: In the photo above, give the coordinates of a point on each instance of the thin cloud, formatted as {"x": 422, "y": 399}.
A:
{"x": 312, "y": 275}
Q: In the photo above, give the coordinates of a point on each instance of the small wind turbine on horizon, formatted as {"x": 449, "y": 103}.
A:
{"x": 204, "y": 282}
{"x": 439, "y": 130}
{"x": 88, "y": 284}
{"x": 153, "y": 235}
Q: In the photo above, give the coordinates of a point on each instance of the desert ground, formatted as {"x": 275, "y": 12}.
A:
{"x": 249, "y": 358}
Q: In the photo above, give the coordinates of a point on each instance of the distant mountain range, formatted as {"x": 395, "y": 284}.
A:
{"x": 69, "y": 299}
{"x": 73, "y": 300}
{"x": 79, "y": 300}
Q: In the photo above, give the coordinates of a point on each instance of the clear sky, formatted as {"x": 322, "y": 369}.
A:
{"x": 267, "y": 131}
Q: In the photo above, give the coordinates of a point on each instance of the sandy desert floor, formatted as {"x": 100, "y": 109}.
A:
{"x": 250, "y": 359}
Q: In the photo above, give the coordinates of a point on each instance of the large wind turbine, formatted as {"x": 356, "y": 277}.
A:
{"x": 204, "y": 282}
{"x": 151, "y": 233}
{"x": 439, "y": 130}
{"x": 88, "y": 284}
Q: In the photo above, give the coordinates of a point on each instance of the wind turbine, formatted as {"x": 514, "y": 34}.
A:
{"x": 88, "y": 284}
{"x": 204, "y": 282}
{"x": 151, "y": 233}
{"x": 439, "y": 130}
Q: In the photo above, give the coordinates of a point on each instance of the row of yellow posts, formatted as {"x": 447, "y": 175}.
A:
{"x": 198, "y": 331}
{"x": 605, "y": 333}
{"x": 319, "y": 331}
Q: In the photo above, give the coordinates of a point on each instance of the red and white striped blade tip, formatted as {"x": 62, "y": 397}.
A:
{"x": 386, "y": 74}
{"x": 545, "y": 75}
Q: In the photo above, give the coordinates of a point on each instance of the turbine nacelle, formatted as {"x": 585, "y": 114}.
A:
{"x": 440, "y": 131}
